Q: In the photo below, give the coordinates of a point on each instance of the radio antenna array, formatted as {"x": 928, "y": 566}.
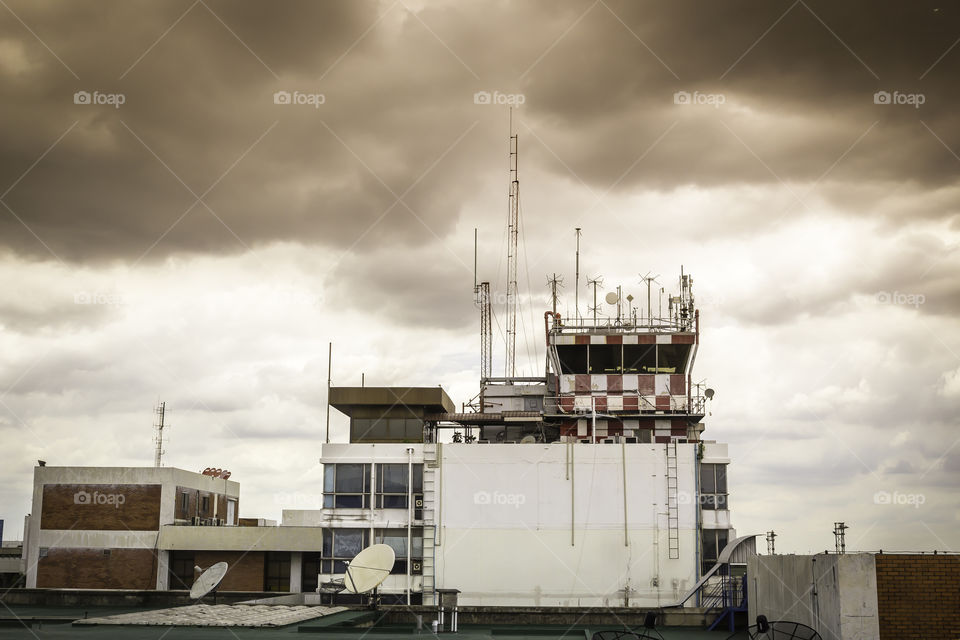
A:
{"x": 158, "y": 426}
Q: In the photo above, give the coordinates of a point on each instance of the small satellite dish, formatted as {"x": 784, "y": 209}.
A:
{"x": 208, "y": 580}
{"x": 528, "y": 440}
{"x": 613, "y": 298}
{"x": 369, "y": 568}
{"x": 709, "y": 393}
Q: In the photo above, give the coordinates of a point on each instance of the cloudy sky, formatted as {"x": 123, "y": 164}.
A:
{"x": 173, "y": 228}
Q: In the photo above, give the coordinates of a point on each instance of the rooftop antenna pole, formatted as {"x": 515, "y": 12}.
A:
{"x": 839, "y": 532}
{"x": 576, "y": 292}
{"x": 513, "y": 226}
{"x": 553, "y": 283}
{"x": 771, "y": 550}
{"x": 329, "y": 362}
{"x": 486, "y": 334}
{"x": 474, "y": 260}
{"x": 648, "y": 279}
{"x": 158, "y": 438}
{"x": 598, "y": 281}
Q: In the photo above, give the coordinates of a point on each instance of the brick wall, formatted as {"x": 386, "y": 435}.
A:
{"x": 918, "y": 596}
{"x": 92, "y": 569}
{"x": 245, "y": 572}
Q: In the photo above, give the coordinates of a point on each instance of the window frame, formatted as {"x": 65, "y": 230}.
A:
{"x": 713, "y": 476}
{"x": 335, "y": 499}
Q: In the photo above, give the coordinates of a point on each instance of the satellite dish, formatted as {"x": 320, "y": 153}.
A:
{"x": 613, "y": 298}
{"x": 369, "y": 568}
{"x": 709, "y": 393}
{"x": 208, "y": 580}
{"x": 528, "y": 440}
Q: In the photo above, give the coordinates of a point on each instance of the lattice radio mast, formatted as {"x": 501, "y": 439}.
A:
{"x": 513, "y": 228}
{"x": 158, "y": 426}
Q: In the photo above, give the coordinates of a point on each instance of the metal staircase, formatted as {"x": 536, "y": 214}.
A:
{"x": 430, "y": 497}
{"x": 673, "y": 519}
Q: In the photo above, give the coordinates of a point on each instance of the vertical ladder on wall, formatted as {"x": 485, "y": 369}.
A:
{"x": 429, "y": 522}
{"x": 673, "y": 519}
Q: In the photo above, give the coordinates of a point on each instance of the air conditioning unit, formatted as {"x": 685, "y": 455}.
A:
{"x": 196, "y": 521}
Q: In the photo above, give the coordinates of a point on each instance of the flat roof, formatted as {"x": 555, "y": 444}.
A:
{"x": 431, "y": 399}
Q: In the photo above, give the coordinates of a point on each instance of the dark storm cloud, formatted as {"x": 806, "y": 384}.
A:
{"x": 399, "y": 115}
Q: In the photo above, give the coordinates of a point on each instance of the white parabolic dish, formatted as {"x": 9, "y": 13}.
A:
{"x": 369, "y": 568}
{"x": 208, "y": 580}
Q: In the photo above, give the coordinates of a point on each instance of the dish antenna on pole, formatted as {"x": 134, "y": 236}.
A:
{"x": 612, "y": 297}
{"x": 369, "y": 569}
{"x": 709, "y": 393}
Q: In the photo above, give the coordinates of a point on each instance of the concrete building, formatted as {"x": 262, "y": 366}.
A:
{"x": 99, "y": 527}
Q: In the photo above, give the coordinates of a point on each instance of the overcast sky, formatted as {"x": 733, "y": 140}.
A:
{"x": 174, "y": 229}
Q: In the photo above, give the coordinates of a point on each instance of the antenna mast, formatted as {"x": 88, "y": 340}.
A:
{"x": 160, "y": 410}
{"x": 576, "y": 292}
{"x": 553, "y": 283}
{"x": 486, "y": 332}
{"x": 513, "y": 227}
{"x": 598, "y": 281}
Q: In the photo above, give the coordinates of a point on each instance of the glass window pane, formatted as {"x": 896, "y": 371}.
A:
{"x": 672, "y": 358}
{"x": 347, "y": 542}
{"x": 397, "y": 542}
{"x": 722, "y": 501}
{"x": 327, "y": 543}
{"x": 418, "y": 478}
{"x": 721, "y": 478}
{"x": 639, "y": 358}
{"x": 394, "y": 502}
{"x": 709, "y": 545}
{"x": 328, "y": 471}
{"x": 394, "y": 477}
{"x": 328, "y": 501}
{"x": 349, "y": 478}
{"x": 349, "y": 501}
{"x": 708, "y": 501}
{"x": 606, "y": 358}
{"x": 722, "y": 538}
{"x": 707, "y": 480}
{"x": 573, "y": 358}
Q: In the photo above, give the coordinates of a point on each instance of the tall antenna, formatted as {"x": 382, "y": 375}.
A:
{"x": 576, "y": 292}
{"x": 771, "y": 547}
{"x": 554, "y": 282}
{"x": 486, "y": 332}
{"x": 595, "y": 282}
{"x": 158, "y": 426}
{"x": 513, "y": 227}
{"x": 839, "y": 532}
{"x": 648, "y": 279}
{"x": 329, "y": 364}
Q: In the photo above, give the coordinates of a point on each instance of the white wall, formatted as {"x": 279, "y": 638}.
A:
{"x": 505, "y": 524}
{"x": 836, "y": 595}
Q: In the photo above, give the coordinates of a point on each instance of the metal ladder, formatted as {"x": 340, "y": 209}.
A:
{"x": 430, "y": 464}
{"x": 673, "y": 520}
